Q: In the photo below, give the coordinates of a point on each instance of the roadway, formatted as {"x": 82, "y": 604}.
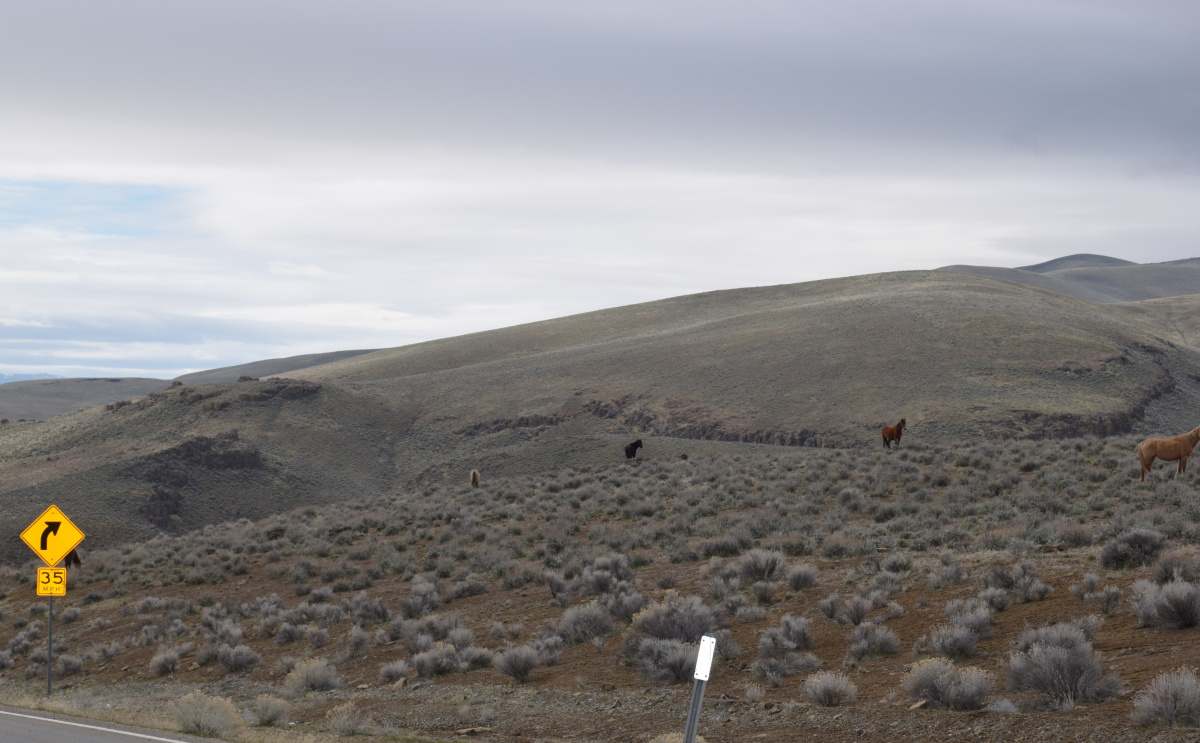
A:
{"x": 23, "y": 726}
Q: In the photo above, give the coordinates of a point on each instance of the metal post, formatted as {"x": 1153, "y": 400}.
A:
{"x": 50, "y": 648}
{"x": 693, "y": 721}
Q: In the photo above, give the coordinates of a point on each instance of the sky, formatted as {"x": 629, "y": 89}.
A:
{"x": 186, "y": 186}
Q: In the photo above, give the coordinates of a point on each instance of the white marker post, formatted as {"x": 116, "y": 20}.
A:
{"x": 704, "y": 659}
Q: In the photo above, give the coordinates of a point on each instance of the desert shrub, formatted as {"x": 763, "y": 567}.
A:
{"x": 855, "y": 610}
{"x": 896, "y": 562}
{"x": 204, "y": 715}
{"x": 6, "y": 659}
{"x": 940, "y": 682}
{"x": 556, "y": 584}
{"x": 312, "y": 675}
{"x": 320, "y": 595}
{"x": 518, "y": 662}
{"x": 677, "y": 618}
{"x": 318, "y": 637}
{"x": 1075, "y": 535}
{"x": 1108, "y": 599}
{"x": 755, "y": 693}
{"x": 953, "y": 640}
{"x": 974, "y": 614}
{"x": 1173, "y": 565}
{"x": 666, "y": 660}
{"x": 356, "y": 643}
{"x": 1172, "y": 698}
{"x": 774, "y": 669}
{"x": 365, "y": 610}
{"x": 997, "y": 598}
{"x": 603, "y": 575}
{"x": 1062, "y": 635}
{"x": 764, "y": 591}
{"x": 1133, "y": 548}
{"x": 801, "y": 577}
{"x": 830, "y": 689}
{"x": 951, "y": 573}
{"x": 424, "y": 599}
{"x": 438, "y": 660}
{"x": 829, "y": 606}
{"x": 582, "y": 623}
{"x": 1063, "y": 674}
{"x": 164, "y": 662}
{"x": 871, "y": 639}
{"x": 1026, "y": 585}
{"x": 762, "y": 565}
{"x": 70, "y": 615}
{"x": 1088, "y": 586}
{"x": 68, "y": 665}
{"x": 236, "y": 659}
{"x": 750, "y": 613}
{"x": 623, "y": 604}
{"x": 269, "y": 711}
{"x": 472, "y": 585}
{"x": 1173, "y": 606}
{"x": 287, "y": 633}
{"x": 549, "y": 649}
{"x": 347, "y": 719}
{"x": 461, "y": 638}
{"x": 394, "y": 671}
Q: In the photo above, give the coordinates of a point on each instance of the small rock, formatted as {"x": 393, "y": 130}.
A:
{"x": 398, "y": 685}
{"x": 472, "y": 731}
{"x": 363, "y": 686}
{"x": 917, "y": 705}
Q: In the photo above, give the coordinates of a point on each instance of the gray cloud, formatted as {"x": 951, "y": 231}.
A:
{"x": 191, "y": 185}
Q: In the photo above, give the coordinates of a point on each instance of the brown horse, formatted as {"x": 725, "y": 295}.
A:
{"x": 1168, "y": 450}
{"x": 474, "y": 478}
{"x": 892, "y": 433}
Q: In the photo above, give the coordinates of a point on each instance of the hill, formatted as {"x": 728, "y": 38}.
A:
{"x": 45, "y": 398}
{"x": 1098, "y": 278}
{"x": 962, "y": 357}
{"x": 266, "y": 368}
{"x": 568, "y": 604}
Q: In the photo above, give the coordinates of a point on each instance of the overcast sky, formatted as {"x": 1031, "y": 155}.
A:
{"x": 186, "y": 185}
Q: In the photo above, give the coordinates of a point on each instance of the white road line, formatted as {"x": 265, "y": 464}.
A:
{"x": 92, "y": 727}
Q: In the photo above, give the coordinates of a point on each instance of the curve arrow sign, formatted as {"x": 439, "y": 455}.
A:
{"x": 51, "y": 528}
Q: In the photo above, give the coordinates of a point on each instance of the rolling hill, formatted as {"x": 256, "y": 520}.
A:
{"x": 266, "y": 368}
{"x": 1098, "y": 278}
{"x": 40, "y": 399}
{"x": 961, "y": 356}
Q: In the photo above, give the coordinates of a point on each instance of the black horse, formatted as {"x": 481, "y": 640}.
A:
{"x": 631, "y": 449}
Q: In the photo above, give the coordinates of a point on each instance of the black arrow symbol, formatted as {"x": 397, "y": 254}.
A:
{"x": 51, "y": 528}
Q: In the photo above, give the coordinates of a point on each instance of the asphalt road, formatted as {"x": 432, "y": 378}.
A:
{"x": 27, "y": 727}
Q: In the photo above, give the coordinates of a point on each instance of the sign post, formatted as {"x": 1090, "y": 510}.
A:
{"x": 51, "y": 536}
{"x": 704, "y": 659}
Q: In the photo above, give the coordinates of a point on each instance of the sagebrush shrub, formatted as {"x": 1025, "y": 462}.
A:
{"x": 801, "y": 577}
{"x": 347, "y": 719}
{"x": 667, "y": 660}
{"x": 1133, "y": 548}
{"x": 830, "y": 689}
{"x": 871, "y": 639}
{"x": 582, "y": 623}
{"x": 236, "y": 659}
{"x": 1063, "y": 674}
{"x": 855, "y": 610}
{"x": 394, "y": 671}
{"x": 940, "y": 682}
{"x": 677, "y": 618}
{"x": 1172, "y": 698}
{"x": 204, "y": 715}
{"x": 518, "y": 662}
{"x": 762, "y": 565}
{"x": 312, "y": 675}
{"x": 269, "y": 711}
{"x": 953, "y": 640}
{"x": 164, "y": 662}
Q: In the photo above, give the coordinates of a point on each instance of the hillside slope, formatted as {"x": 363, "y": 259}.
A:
{"x": 45, "y": 398}
{"x": 266, "y": 367}
{"x": 962, "y": 357}
{"x": 1097, "y": 278}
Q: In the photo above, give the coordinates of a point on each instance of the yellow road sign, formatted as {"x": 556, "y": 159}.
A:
{"x": 52, "y": 582}
{"x": 52, "y": 536}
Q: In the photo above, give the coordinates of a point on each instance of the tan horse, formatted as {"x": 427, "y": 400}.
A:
{"x": 474, "y": 478}
{"x": 1168, "y": 450}
{"x": 892, "y": 433}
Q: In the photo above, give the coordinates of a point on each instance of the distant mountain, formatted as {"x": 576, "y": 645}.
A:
{"x": 267, "y": 368}
{"x": 6, "y": 378}
{"x": 39, "y": 399}
{"x": 1098, "y": 278}
{"x": 1079, "y": 260}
